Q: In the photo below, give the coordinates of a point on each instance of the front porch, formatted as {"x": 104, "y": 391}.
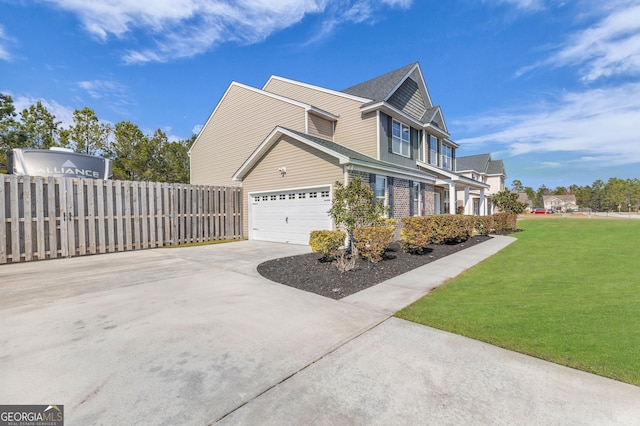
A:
{"x": 455, "y": 190}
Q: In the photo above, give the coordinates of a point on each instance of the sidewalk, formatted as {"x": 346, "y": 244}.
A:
{"x": 392, "y": 295}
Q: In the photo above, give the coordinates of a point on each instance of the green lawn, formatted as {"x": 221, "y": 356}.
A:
{"x": 568, "y": 291}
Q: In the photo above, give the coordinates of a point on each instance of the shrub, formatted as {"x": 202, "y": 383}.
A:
{"x": 484, "y": 224}
{"x": 372, "y": 241}
{"x": 387, "y": 222}
{"x": 415, "y": 236}
{"x": 452, "y": 229}
{"x": 326, "y": 242}
{"x": 504, "y": 222}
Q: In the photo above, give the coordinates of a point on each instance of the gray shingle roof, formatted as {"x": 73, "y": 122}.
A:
{"x": 477, "y": 162}
{"x": 496, "y": 167}
{"x": 426, "y": 117}
{"x": 380, "y": 87}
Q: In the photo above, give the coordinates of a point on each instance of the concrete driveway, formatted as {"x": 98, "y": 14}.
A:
{"x": 195, "y": 336}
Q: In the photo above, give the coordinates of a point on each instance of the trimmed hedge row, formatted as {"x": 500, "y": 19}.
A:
{"x": 417, "y": 233}
{"x": 370, "y": 242}
{"x": 505, "y": 222}
{"x": 420, "y": 231}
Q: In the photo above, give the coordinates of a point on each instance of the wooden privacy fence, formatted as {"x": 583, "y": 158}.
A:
{"x": 47, "y": 218}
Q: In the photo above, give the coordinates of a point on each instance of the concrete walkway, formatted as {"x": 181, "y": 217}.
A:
{"x": 392, "y": 295}
{"x": 195, "y": 336}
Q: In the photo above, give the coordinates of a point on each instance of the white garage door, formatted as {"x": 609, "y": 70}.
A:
{"x": 289, "y": 216}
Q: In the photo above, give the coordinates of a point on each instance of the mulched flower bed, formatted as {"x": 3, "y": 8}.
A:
{"x": 307, "y": 271}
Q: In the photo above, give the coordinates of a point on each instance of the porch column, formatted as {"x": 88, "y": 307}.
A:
{"x": 452, "y": 198}
{"x": 467, "y": 205}
{"x": 483, "y": 201}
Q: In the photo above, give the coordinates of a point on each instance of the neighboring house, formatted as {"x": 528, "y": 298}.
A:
{"x": 523, "y": 197}
{"x": 288, "y": 143}
{"x": 559, "y": 203}
{"x": 483, "y": 169}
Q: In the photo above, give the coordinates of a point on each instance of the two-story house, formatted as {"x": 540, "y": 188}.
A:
{"x": 560, "y": 203}
{"x": 482, "y": 168}
{"x": 287, "y": 144}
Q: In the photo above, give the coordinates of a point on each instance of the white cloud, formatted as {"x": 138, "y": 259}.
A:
{"x": 550, "y": 164}
{"x": 98, "y": 89}
{"x": 4, "y": 52}
{"x": 597, "y": 124}
{"x": 523, "y": 4}
{"x": 115, "y": 95}
{"x": 610, "y": 47}
{"x": 184, "y": 28}
{"x": 196, "y": 129}
{"x": 62, "y": 113}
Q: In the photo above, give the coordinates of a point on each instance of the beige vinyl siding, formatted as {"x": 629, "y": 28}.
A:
{"x": 320, "y": 127}
{"x": 352, "y": 129}
{"x": 306, "y": 167}
{"x": 496, "y": 184}
{"x": 219, "y": 151}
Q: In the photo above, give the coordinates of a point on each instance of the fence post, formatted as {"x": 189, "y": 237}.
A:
{"x": 3, "y": 222}
{"x": 14, "y": 215}
{"x": 144, "y": 218}
{"x": 40, "y": 239}
{"x": 101, "y": 243}
{"x": 80, "y": 213}
{"x": 135, "y": 188}
{"x": 53, "y": 217}
{"x": 27, "y": 233}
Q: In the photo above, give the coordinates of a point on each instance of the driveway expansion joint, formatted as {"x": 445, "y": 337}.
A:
{"x": 307, "y": 366}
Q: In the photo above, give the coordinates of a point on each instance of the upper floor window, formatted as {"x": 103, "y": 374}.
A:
{"x": 447, "y": 157}
{"x": 420, "y": 146}
{"x": 433, "y": 150}
{"x": 401, "y": 140}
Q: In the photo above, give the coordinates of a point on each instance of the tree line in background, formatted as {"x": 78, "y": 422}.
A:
{"x": 599, "y": 196}
{"x": 134, "y": 155}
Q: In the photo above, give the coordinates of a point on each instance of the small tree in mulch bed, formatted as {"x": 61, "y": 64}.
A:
{"x": 354, "y": 206}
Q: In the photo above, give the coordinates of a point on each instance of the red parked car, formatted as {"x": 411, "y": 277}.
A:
{"x": 541, "y": 211}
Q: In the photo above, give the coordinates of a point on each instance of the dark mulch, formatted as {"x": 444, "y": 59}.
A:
{"x": 307, "y": 271}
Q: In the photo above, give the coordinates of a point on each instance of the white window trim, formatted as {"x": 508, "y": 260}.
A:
{"x": 417, "y": 199}
{"x": 385, "y": 196}
{"x": 430, "y": 151}
{"x": 402, "y": 141}
{"x": 446, "y": 164}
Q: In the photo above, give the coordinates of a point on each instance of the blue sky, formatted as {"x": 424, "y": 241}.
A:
{"x": 550, "y": 86}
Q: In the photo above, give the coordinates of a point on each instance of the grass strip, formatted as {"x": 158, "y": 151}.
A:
{"x": 568, "y": 291}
